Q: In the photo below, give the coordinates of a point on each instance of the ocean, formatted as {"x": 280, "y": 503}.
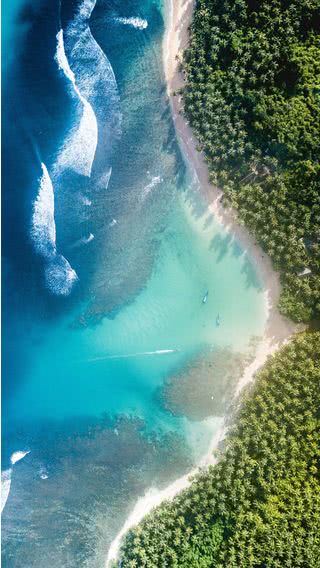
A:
{"x": 128, "y": 311}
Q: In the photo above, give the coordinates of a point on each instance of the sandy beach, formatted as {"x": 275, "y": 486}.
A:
{"x": 278, "y": 329}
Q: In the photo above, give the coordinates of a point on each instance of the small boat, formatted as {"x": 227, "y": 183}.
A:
{"x": 205, "y": 297}
{"x": 218, "y": 320}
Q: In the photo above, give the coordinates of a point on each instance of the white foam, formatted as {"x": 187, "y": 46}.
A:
{"x": 113, "y": 223}
{"x": 6, "y": 476}
{"x": 135, "y": 22}
{"x": 43, "y": 473}
{"x": 86, "y": 9}
{"x": 43, "y": 228}
{"x": 88, "y": 69}
{"x": 60, "y": 276}
{"x": 19, "y": 455}
{"x": 5, "y": 486}
{"x": 79, "y": 148}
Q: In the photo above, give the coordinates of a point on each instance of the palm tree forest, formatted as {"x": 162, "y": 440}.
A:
{"x": 252, "y": 97}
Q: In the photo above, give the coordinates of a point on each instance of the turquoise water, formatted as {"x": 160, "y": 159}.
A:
{"x": 116, "y": 365}
{"x": 86, "y": 358}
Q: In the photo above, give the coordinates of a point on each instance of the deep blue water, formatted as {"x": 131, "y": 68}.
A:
{"x": 108, "y": 251}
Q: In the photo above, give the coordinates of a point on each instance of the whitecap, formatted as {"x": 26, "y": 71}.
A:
{"x": 85, "y": 200}
{"x": 19, "y": 455}
{"x": 60, "y": 276}
{"x": 43, "y": 228}
{"x": 43, "y": 473}
{"x": 135, "y": 22}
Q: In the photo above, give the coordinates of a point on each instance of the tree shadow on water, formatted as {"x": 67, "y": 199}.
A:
{"x": 221, "y": 245}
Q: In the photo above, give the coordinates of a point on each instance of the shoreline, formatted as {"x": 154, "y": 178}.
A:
{"x": 278, "y": 329}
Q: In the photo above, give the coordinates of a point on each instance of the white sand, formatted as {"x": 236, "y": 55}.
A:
{"x": 278, "y": 329}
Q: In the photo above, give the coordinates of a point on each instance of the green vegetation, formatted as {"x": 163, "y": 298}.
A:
{"x": 260, "y": 505}
{"x": 252, "y": 96}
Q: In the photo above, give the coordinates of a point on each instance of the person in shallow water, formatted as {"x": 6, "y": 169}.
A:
{"x": 218, "y": 320}
{"x": 205, "y": 297}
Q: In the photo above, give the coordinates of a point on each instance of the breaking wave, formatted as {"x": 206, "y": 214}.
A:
{"x": 138, "y": 23}
{"x": 88, "y": 69}
{"x": 59, "y": 275}
{"x": 43, "y": 230}
{"x": 6, "y": 476}
{"x": 79, "y": 149}
{"x": 5, "y": 486}
{"x": 19, "y": 455}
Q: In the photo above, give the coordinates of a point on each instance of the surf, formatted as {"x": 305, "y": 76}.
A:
{"x": 79, "y": 149}
{"x": 43, "y": 231}
{"x": 59, "y": 275}
{"x": 91, "y": 75}
{"x": 6, "y": 476}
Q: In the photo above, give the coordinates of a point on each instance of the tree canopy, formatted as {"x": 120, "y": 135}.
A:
{"x": 252, "y": 96}
{"x": 260, "y": 505}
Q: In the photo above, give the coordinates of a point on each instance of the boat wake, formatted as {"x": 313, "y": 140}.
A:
{"x": 59, "y": 275}
{"x": 129, "y": 355}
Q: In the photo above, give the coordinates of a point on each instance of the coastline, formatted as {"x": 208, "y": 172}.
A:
{"x": 278, "y": 329}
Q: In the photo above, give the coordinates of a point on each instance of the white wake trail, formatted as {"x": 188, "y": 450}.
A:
{"x": 130, "y": 355}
